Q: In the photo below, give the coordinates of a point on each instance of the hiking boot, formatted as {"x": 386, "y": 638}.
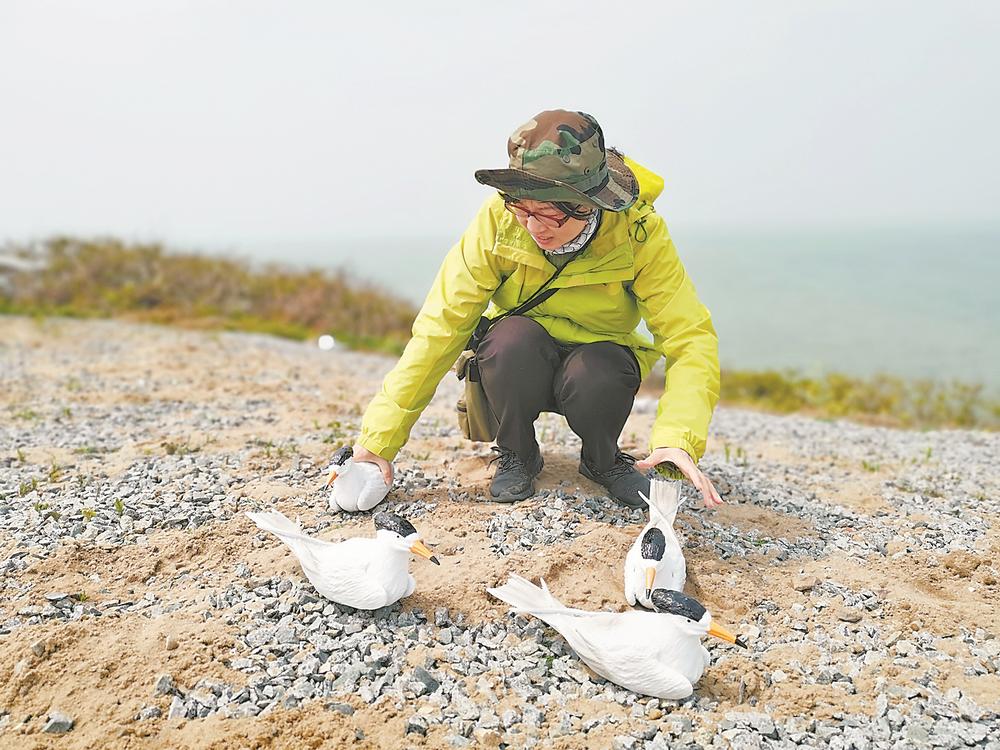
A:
{"x": 513, "y": 480}
{"x": 622, "y": 481}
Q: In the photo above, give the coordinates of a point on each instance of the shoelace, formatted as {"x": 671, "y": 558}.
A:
{"x": 622, "y": 465}
{"x": 508, "y": 459}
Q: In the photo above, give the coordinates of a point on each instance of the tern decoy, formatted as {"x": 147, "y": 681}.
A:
{"x": 655, "y": 560}
{"x": 356, "y": 486}
{"x": 365, "y": 573}
{"x": 652, "y": 653}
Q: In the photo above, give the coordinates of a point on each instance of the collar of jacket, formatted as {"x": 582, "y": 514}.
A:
{"x": 608, "y": 257}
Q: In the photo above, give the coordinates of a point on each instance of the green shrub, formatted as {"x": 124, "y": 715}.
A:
{"x": 108, "y": 277}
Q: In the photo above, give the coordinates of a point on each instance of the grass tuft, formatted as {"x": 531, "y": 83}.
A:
{"x": 144, "y": 281}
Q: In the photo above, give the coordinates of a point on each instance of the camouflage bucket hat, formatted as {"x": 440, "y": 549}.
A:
{"x": 560, "y": 156}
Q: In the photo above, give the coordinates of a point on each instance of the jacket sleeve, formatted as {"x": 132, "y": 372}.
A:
{"x": 682, "y": 329}
{"x": 459, "y": 296}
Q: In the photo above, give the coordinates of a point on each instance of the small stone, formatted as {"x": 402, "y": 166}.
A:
{"x": 164, "y": 684}
{"x": 171, "y": 643}
{"x": 533, "y": 716}
{"x": 416, "y": 725}
{"x": 510, "y": 717}
{"x": 777, "y": 676}
{"x": 38, "y": 648}
{"x": 441, "y": 616}
{"x": 763, "y": 724}
{"x": 58, "y": 723}
{"x": 805, "y": 583}
{"x": 624, "y": 742}
{"x": 426, "y": 679}
{"x": 486, "y": 738}
{"x": 341, "y": 708}
{"x": 849, "y": 614}
{"x": 445, "y": 636}
{"x": 149, "y": 712}
{"x": 177, "y": 709}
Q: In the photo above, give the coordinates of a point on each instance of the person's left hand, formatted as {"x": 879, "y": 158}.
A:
{"x": 684, "y": 462}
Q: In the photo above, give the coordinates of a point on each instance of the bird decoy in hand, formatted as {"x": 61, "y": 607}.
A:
{"x": 356, "y": 486}
{"x": 652, "y": 653}
{"x": 655, "y": 559}
{"x": 365, "y": 573}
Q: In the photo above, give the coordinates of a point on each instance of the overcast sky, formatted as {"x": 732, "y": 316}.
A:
{"x": 226, "y": 122}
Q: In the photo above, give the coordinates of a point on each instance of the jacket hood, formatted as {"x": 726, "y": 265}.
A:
{"x": 650, "y": 183}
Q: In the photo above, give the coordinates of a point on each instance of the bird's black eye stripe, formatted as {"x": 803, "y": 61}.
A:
{"x": 653, "y": 545}
{"x": 392, "y": 522}
{"x": 340, "y": 457}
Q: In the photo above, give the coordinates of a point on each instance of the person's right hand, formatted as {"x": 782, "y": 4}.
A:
{"x": 363, "y": 455}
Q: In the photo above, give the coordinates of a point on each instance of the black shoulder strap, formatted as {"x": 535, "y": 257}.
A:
{"x": 537, "y": 298}
{"x": 534, "y": 300}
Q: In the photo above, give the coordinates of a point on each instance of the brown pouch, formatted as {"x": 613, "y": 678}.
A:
{"x": 475, "y": 417}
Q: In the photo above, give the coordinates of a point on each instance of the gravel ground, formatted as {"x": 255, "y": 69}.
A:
{"x": 139, "y": 608}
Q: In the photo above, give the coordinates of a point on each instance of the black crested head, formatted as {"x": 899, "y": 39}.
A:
{"x": 676, "y": 603}
{"x": 340, "y": 457}
{"x": 392, "y": 522}
{"x": 653, "y": 545}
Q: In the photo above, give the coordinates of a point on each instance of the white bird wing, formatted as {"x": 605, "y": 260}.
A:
{"x": 671, "y": 573}
{"x": 338, "y": 570}
{"x": 630, "y": 650}
{"x": 343, "y": 575}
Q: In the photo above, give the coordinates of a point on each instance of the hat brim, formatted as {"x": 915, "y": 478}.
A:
{"x": 617, "y": 193}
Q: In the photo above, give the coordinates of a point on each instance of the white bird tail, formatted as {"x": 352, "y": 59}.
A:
{"x": 287, "y": 531}
{"x": 525, "y": 597}
{"x": 664, "y": 499}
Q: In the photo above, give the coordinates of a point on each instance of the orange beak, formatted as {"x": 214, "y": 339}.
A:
{"x": 333, "y": 476}
{"x": 720, "y": 632}
{"x": 650, "y": 577}
{"x": 419, "y": 548}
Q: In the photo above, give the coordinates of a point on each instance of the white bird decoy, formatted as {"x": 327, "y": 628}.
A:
{"x": 364, "y": 573}
{"x": 356, "y": 486}
{"x": 651, "y": 653}
{"x": 655, "y": 560}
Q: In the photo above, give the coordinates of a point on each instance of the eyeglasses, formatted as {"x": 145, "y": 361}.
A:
{"x": 523, "y": 214}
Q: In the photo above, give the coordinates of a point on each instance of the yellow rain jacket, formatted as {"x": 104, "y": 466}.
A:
{"x": 629, "y": 271}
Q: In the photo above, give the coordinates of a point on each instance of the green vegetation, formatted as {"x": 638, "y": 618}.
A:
{"x": 338, "y": 432}
{"x": 119, "y": 506}
{"x": 172, "y": 448}
{"x": 88, "y": 514}
{"x": 111, "y": 278}
{"x": 880, "y": 398}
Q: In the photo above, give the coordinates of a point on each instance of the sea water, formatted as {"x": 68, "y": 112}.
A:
{"x": 909, "y": 302}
